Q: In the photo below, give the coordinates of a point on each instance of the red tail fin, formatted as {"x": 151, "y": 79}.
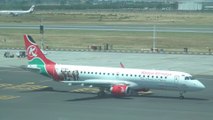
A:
{"x": 38, "y": 60}
{"x": 33, "y": 51}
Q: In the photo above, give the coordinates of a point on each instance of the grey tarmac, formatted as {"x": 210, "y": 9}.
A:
{"x": 27, "y": 95}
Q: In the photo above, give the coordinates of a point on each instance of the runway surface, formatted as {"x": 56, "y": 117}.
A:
{"x": 134, "y": 28}
{"x": 26, "y": 95}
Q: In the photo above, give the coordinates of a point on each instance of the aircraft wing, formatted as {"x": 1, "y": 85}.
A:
{"x": 13, "y": 13}
{"x": 99, "y": 83}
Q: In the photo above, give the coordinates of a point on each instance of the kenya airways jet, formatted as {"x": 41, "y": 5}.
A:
{"x": 117, "y": 81}
{"x": 17, "y": 12}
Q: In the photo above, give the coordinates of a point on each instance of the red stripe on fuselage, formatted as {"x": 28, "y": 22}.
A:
{"x": 52, "y": 72}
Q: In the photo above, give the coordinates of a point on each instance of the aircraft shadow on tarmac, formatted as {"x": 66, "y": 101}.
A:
{"x": 171, "y": 97}
{"x": 97, "y": 97}
{"x": 50, "y": 89}
{"x": 109, "y": 96}
{"x": 132, "y": 97}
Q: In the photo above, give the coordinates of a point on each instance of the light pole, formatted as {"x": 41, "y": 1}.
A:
{"x": 154, "y": 39}
{"x": 42, "y": 35}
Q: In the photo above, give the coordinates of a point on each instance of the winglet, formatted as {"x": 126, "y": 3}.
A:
{"x": 121, "y": 64}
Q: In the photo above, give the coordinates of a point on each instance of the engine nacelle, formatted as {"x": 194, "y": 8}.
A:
{"x": 120, "y": 90}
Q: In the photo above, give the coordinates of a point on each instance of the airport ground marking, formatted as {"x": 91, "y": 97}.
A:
{"x": 86, "y": 90}
{"x": 14, "y": 71}
{"x": 141, "y": 93}
{"x": 22, "y": 87}
{"x": 4, "y": 85}
{"x": 43, "y": 81}
{"x": 8, "y": 97}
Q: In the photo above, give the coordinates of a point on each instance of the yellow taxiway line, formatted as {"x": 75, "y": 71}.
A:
{"x": 22, "y": 87}
{"x": 8, "y": 97}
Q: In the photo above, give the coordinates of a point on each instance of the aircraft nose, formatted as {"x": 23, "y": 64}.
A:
{"x": 200, "y": 85}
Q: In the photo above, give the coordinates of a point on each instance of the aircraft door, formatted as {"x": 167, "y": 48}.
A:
{"x": 176, "y": 80}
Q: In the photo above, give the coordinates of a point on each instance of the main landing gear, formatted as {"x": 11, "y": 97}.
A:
{"x": 101, "y": 92}
{"x": 181, "y": 94}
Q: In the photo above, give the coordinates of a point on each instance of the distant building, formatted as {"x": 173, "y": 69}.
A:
{"x": 190, "y": 5}
{"x": 208, "y": 5}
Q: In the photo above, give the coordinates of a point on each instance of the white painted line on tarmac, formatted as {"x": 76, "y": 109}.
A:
{"x": 13, "y": 71}
{"x": 43, "y": 81}
{"x": 8, "y": 66}
{"x": 8, "y": 97}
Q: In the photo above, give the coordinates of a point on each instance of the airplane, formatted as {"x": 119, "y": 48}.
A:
{"x": 116, "y": 81}
{"x": 17, "y": 12}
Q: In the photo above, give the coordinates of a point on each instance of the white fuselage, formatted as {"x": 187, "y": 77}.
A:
{"x": 135, "y": 78}
{"x": 17, "y": 12}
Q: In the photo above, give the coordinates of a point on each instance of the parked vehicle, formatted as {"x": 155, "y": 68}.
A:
{"x": 7, "y": 54}
{"x": 21, "y": 54}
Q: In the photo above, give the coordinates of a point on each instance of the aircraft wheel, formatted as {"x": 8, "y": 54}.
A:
{"x": 182, "y": 97}
{"x": 101, "y": 93}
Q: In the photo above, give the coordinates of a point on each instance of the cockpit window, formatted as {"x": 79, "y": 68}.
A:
{"x": 189, "y": 78}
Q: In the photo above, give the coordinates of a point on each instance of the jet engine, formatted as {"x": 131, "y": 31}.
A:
{"x": 120, "y": 90}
